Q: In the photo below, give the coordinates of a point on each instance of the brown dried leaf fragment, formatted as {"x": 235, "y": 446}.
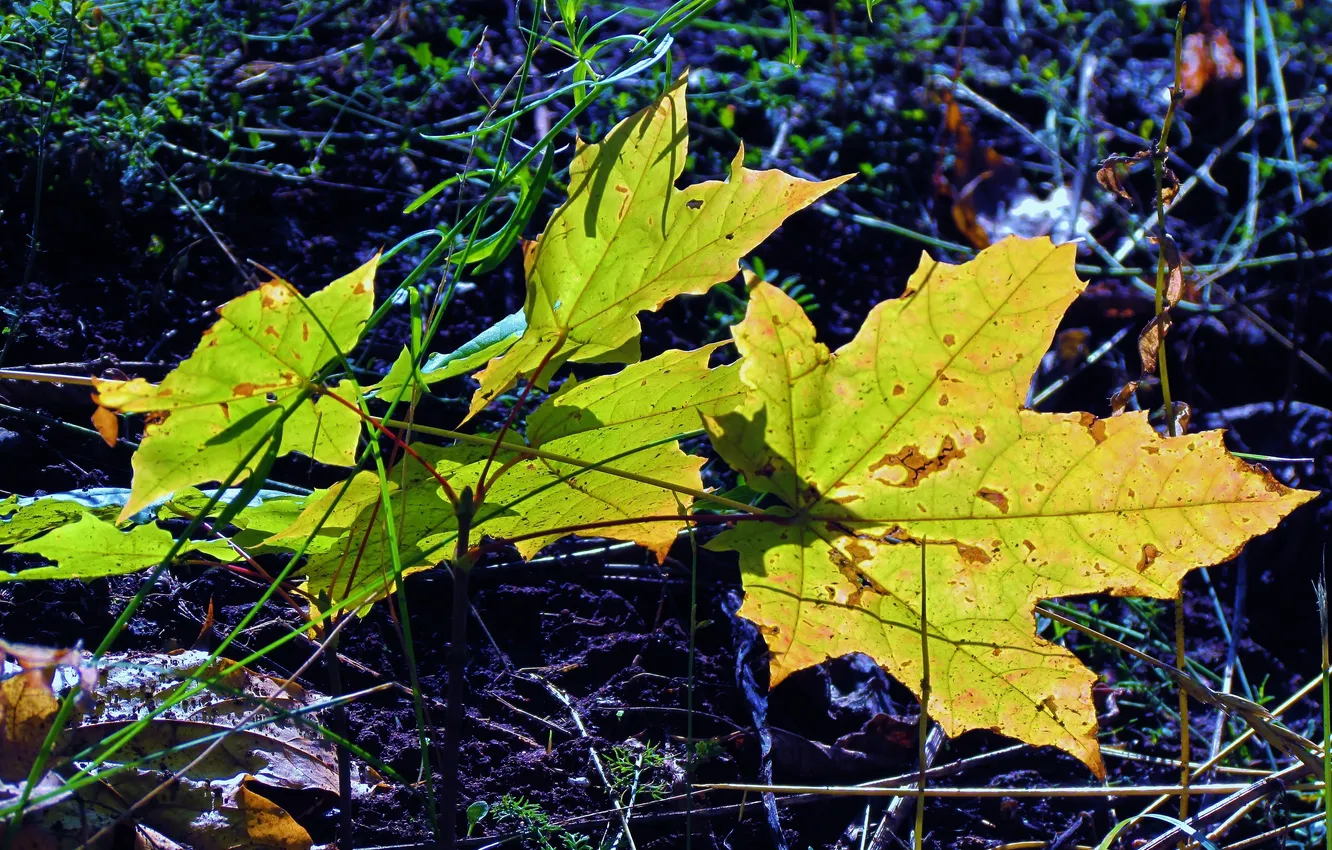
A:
{"x": 1174, "y": 269}
{"x": 1119, "y": 401}
{"x": 1150, "y": 340}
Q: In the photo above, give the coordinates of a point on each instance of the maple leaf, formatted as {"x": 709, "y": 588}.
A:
{"x": 598, "y": 422}
{"x": 627, "y": 240}
{"x": 652, "y": 400}
{"x": 353, "y": 550}
{"x": 23, "y": 522}
{"x": 249, "y": 368}
{"x": 91, "y": 548}
{"x": 913, "y": 435}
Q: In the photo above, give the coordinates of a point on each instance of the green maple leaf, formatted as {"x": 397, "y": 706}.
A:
{"x": 914, "y": 435}
{"x": 352, "y": 552}
{"x": 257, "y": 362}
{"x": 92, "y": 548}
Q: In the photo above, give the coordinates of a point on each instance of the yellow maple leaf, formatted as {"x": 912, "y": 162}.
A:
{"x": 915, "y": 434}
{"x": 627, "y": 240}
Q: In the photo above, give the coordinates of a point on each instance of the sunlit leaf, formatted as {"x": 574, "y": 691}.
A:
{"x": 646, "y": 401}
{"x": 250, "y": 367}
{"x": 92, "y": 548}
{"x": 28, "y": 521}
{"x": 359, "y": 557}
{"x": 914, "y": 435}
{"x": 492, "y": 342}
{"x": 601, "y": 421}
{"x": 627, "y": 240}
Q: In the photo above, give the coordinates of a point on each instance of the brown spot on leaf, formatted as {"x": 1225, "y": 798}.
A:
{"x": 1098, "y": 431}
{"x": 1031, "y": 547}
{"x": 917, "y": 465}
{"x": 845, "y": 500}
{"x": 948, "y": 339}
{"x": 1149, "y": 554}
{"x": 943, "y": 400}
{"x": 849, "y": 565}
{"x": 980, "y": 434}
{"x": 898, "y": 389}
{"x": 972, "y": 554}
{"x": 245, "y": 388}
{"x": 994, "y": 497}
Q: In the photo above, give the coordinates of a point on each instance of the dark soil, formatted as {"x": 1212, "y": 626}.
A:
{"x": 609, "y": 632}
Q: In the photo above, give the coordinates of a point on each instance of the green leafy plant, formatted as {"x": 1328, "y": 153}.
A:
{"x": 537, "y": 825}
{"x": 632, "y": 771}
{"x": 901, "y": 466}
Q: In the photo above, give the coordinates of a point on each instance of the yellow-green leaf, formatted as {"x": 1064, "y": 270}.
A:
{"x": 914, "y": 435}
{"x": 91, "y": 548}
{"x": 599, "y": 422}
{"x": 337, "y": 509}
{"x": 249, "y": 368}
{"x": 360, "y": 559}
{"x": 264, "y": 516}
{"x": 646, "y": 401}
{"x": 538, "y": 493}
{"x": 28, "y": 521}
{"x": 627, "y": 240}
{"x": 603, "y": 421}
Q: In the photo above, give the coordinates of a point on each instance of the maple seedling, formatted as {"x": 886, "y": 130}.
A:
{"x": 905, "y": 463}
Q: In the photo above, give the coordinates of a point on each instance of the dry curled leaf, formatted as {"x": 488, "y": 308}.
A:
{"x": 1207, "y": 56}
{"x": 1150, "y": 341}
{"x": 1115, "y": 169}
{"x": 1174, "y": 288}
{"x": 1119, "y": 401}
